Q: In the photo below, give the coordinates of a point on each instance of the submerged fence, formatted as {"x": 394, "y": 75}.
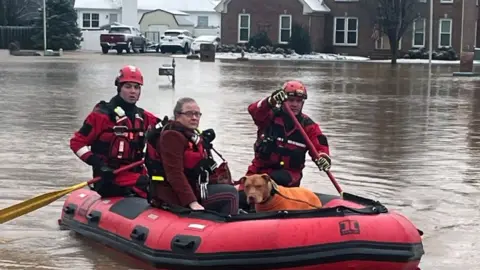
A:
{"x": 21, "y": 34}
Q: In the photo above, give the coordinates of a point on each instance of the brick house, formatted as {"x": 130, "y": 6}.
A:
{"x": 345, "y": 26}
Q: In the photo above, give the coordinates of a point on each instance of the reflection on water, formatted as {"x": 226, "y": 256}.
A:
{"x": 392, "y": 137}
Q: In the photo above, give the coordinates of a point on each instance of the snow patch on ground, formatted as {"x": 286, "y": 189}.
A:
{"x": 271, "y": 56}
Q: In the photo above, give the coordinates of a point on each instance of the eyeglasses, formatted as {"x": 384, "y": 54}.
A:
{"x": 191, "y": 114}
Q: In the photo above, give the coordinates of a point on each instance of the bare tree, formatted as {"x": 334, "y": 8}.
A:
{"x": 18, "y": 12}
{"x": 392, "y": 18}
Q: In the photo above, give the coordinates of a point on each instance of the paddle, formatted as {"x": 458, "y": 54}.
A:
{"x": 37, "y": 202}
{"x": 310, "y": 146}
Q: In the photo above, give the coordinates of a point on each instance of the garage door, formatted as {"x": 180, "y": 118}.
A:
{"x": 155, "y": 31}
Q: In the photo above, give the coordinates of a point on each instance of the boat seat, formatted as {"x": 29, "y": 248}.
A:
{"x": 130, "y": 207}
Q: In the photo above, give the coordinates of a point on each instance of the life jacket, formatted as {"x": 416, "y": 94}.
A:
{"x": 279, "y": 148}
{"x": 121, "y": 142}
{"x": 196, "y": 159}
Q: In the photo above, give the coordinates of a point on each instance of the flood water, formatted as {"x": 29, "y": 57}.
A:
{"x": 417, "y": 151}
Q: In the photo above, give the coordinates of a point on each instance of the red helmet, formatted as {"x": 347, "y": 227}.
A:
{"x": 129, "y": 74}
{"x": 295, "y": 89}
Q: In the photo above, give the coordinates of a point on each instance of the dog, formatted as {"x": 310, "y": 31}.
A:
{"x": 262, "y": 191}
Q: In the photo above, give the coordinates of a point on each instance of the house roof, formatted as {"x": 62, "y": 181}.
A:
{"x": 171, "y": 5}
{"x": 317, "y": 5}
{"x": 309, "y": 6}
{"x": 180, "y": 17}
{"x": 183, "y": 20}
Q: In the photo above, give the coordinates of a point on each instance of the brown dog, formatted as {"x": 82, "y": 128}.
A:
{"x": 262, "y": 191}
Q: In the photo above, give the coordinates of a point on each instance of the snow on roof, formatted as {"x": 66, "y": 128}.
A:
{"x": 180, "y": 5}
{"x": 98, "y": 4}
{"x": 317, "y": 5}
{"x": 175, "y": 12}
{"x": 183, "y": 21}
{"x": 308, "y": 6}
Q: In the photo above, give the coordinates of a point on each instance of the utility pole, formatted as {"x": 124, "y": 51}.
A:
{"x": 44, "y": 27}
{"x": 430, "y": 39}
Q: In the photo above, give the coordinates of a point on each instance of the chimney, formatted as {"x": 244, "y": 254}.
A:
{"x": 130, "y": 12}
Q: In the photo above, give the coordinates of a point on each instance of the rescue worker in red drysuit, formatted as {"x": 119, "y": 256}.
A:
{"x": 113, "y": 135}
{"x": 280, "y": 148}
{"x": 179, "y": 164}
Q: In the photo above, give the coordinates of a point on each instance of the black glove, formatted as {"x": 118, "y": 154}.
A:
{"x": 323, "y": 162}
{"x": 277, "y": 97}
{"x": 165, "y": 120}
{"x": 107, "y": 175}
{"x": 208, "y": 137}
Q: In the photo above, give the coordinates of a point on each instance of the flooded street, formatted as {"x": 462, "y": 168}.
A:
{"x": 391, "y": 139}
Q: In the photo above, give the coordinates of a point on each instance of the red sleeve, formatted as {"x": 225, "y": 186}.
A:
{"x": 318, "y": 139}
{"x": 83, "y": 138}
{"x": 172, "y": 149}
{"x": 261, "y": 113}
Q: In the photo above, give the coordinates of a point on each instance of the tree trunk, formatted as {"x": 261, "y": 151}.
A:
{"x": 394, "y": 50}
{"x": 3, "y": 13}
{"x": 394, "y": 54}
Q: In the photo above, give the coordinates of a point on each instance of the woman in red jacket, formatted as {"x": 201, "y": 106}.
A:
{"x": 179, "y": 164}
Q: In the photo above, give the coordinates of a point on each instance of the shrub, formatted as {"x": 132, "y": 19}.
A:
{"x": 300, "y": 40}
{"x": 259, "y": 40}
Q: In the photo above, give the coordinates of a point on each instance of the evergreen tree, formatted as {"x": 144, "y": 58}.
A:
{"x": 62, "y": 28}
{"x": 300, "y": 40}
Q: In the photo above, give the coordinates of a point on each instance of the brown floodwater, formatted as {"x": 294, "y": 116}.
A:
{"x": 393, "y": 137}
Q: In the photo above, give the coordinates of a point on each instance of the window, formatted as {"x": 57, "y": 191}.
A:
{"x": 285, "y": 29}
{"x": 345, "y": 31}
{"x": 418, "y": 39}
{"x": 113, "y": 17}
{"x": 445, "y": 36}
{"x": 91, "y": 20}
{"x": 202, "y": 21}
{"x": 121, "y": 30}
{"x": 383, "y": 43}
{"x": 243, "y": 27}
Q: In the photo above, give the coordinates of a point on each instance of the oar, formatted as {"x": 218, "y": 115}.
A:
{"x": 310, "y": 146}
{"x": 37, "y": 202}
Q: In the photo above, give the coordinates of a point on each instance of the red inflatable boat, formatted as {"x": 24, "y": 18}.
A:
{"x": 342, "y": 235}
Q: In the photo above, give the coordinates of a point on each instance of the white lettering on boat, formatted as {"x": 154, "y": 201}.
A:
{"x": 197, "y": 226}
{"x": 152, "y": 216}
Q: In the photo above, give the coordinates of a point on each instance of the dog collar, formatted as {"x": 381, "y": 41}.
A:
{"x": 272, "y": 193}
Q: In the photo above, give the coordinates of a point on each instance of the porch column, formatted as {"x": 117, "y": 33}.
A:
{"x": 469, "y": 17}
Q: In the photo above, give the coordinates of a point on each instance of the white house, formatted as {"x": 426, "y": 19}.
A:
{"x": 94, "y": 13}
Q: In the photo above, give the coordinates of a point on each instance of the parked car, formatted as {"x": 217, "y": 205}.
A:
{"x": 123, "y": 37}
{"x": 151, "y": 45}
{"x": 174, "y": 40}
{"x": 215, "y": 40}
